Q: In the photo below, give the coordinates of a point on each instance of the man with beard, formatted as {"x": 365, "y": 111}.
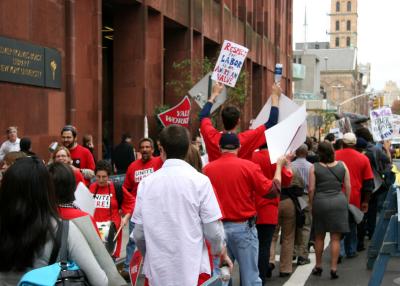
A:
{"x": 138, "y": 170}
{"x": 81, "y": 157}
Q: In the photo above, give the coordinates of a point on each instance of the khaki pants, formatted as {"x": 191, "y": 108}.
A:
{"x": 287, "y": 223}
{"x": 303, "y": 234}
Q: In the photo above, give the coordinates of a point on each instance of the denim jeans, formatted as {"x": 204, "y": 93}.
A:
{"x": 130, "y": 247}
{"x": 242, "y": 244}
{"x": 348, "y": 245}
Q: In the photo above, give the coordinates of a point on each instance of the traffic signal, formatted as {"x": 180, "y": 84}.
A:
{"x": 375, "y": 103}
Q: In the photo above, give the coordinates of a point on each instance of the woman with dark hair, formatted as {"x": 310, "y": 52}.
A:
{"x": 29, "y": 222}
{"x": 64, "y": 183}
{"x": 109, "y": 203}
{"x": 329, "y": 204}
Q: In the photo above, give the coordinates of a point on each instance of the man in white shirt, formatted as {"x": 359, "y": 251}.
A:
{"x": 176, "y": 209}
{"x": 12, "y": 143}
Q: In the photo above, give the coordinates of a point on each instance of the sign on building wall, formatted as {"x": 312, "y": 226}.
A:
{"x": 179, "y": 114}
{"x": 381, "y": 123}
{"x": 25, "y": 63}
{"x": 229, "y": 64}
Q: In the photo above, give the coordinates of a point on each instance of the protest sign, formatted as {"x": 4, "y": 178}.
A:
{"x": 84, "y": 199}
{"x": 396, "y": 125}
{"x": 199, "y": 92}
{"x": 336, "y": 131}
{"x": 381, "y": 123}
{"x": 281, "y": 143}
{"x": 229, "y": 64}
{"x": 179, "y": 114}
{"x": 135, "y": 267}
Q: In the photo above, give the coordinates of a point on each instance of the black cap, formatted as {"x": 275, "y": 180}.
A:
{"x": 229, "y": 141}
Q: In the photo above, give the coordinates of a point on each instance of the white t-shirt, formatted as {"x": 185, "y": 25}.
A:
{"x": 8, "y": 147}
{"x": 172, "y": 204}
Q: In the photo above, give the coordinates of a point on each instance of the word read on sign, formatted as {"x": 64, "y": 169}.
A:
{"x": 229, "y": 64}
{"x": 179, "y": 114}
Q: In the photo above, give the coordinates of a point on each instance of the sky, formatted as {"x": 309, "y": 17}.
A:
{"x": 378, "y": 34}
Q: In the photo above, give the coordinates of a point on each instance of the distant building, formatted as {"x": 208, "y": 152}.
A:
{"x": 312, "y": 45}
{"x": 344, "y": 16}
{"x": 391, "y": 93}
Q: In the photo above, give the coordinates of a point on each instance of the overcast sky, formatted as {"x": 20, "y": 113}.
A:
{"x": 378, "y": 34}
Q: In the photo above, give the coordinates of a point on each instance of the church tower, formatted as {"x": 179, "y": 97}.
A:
{"x": 343, "y": 23}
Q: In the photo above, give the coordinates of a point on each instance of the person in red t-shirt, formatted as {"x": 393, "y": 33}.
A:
{"x": 81, "y": 157}
{"x": 138, "y": 170}
{"x": 107, "y": 206}
{"x": 250, "y": 140}
{"x": 362, "y": 184}
{"x": 267, "y": 210}
{"x": 61, "y": 154}
{"x": 236, "y": 182}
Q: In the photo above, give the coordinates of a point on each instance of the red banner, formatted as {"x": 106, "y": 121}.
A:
{"x": 179, "y": 114}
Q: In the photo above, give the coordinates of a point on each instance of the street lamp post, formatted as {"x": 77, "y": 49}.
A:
{"x": 351, "y": 99}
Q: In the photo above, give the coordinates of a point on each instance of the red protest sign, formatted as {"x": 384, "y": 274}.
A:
{"x": 135, "y": 267}
{"x": 179, "y": 114}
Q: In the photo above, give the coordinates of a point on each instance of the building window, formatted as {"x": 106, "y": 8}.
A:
{"x": 317, "y": 46}
{"x": 337, "y": 42}
{"x": 337, "y": 6}
{"x": 299, "y": 60}
{"x": 348, "y": 6}
{"x": 294, "y": 59}
{"x": 348, "y": 41}
{"x": 337, "y": 25}
{"x": 348, "y": 25}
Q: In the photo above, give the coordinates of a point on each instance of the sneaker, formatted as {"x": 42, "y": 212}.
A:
{"x": 284, "y": 274}
{"x": 125, "y": 275}
{"x": 303, "y": 261}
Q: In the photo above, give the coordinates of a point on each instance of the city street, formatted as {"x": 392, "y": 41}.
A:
{"x": 351, "y": 272}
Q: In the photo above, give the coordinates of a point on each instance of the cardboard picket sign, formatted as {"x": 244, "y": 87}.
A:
{"x": 229, "y": 64}
{"x": 179, "y": 114}
{"x": 135, "y": 267}
{"x": 199, "y": 92}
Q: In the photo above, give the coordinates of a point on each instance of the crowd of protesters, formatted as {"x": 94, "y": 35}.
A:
{"x": 187, "y": 213}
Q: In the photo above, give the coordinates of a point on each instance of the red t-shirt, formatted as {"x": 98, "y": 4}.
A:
{"x": 138, "y": 170}
{"x": 107, "y": 207}
{"x": 236, "y": 181}
{"x": 267, "y": 209}
{"x": 359, "y": 169}
{"x": 82, "y": 158}
{"x": 78, "y": 177}
{"x": 250, "y": 140}
{"x": 71, "y": 213}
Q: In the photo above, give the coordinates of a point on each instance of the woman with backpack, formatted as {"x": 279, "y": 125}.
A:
{"x": 113, "y": 208}
{"x": 29, "y": 225}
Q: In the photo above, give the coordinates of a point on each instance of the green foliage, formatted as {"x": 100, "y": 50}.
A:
{"x": 158, "y": 110}
{"x": 236, "y": 95}
{"x": 327, "y": 119}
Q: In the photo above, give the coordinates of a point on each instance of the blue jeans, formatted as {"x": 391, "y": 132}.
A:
{"x": 130, "y": 247}
{"x": 242, "y": 244}
{"x": 348, "y": 245}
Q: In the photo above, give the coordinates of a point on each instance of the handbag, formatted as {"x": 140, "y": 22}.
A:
{"x": 64, "y": 272}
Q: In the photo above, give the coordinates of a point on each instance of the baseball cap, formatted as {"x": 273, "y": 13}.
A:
{"x": 349, "y": 139}
{"x": 229, "y": 141}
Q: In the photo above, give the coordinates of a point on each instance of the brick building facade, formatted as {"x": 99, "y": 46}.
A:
{"x": 117, "y": 55}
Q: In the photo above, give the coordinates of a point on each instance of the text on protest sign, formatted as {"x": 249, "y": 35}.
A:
{"x": 179, "y": 114}
{"x": 229, "y": 64}
{"x": 381, "y": 123}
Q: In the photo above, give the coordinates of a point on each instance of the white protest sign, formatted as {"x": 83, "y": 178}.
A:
{"x": 199, "y": 92}
{"x": 381, "y": 123}
{"x": 286, "y": 108}
{"x": 279, "y": 142}
{"x": 336, "y": 132}
{"x": 229, "y": 64}
{"x": 396, "y": 125}
{"x": 84, "y": 199}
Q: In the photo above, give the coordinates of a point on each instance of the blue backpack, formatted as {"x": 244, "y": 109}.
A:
{"x": 59, "y": 273}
